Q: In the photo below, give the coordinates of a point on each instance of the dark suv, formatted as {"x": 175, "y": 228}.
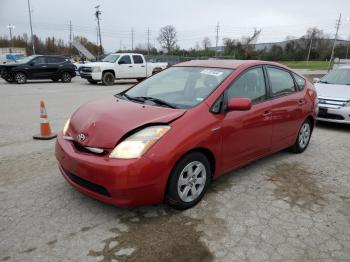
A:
{"x": 39, "y": 67}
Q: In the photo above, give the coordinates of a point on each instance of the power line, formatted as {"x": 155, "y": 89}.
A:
{"x": 334, "y": 42}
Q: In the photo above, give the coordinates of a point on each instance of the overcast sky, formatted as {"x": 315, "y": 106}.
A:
{"x": 193, "y": 19}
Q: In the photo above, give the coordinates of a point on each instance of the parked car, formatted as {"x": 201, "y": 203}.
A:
{"x": 39, "y": 67}
{"x": 120, "y": 66}
{"x": 167, "y": 137}
{"x": 11, "y": 58}
{"x": 334, "y": 96}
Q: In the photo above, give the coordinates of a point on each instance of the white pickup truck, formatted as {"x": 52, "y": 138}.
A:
{"x": 120, "y": 66}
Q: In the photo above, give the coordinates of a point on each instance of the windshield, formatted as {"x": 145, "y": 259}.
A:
{"x": 180, "y": 87}
{"x": 111, "y": 58}
{"x": 26, "y": 59}
{"x": 339, "y": 76}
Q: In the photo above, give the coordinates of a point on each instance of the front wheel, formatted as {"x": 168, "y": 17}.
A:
{"x": 188, "y": 181}
{"x": 108, "y": 79}
{"x": 303, "y": 138}
{"x": 20, "y": 78}
{"x": 66, "y": 77}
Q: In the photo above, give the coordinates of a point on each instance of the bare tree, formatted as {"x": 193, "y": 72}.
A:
{"x": 206, "y": 43}
{"x": 167, "y": 37}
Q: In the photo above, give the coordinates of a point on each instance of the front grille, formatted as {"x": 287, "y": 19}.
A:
{"x": 84, "y": 69}
{"x": 87, "y": 184}
{"x": 332, "y": 102}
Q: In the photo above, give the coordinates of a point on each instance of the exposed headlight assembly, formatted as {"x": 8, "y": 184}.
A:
{"x": 137, "y": 144}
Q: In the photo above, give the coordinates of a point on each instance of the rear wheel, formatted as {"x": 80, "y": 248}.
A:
{"x": 66, "y": 77}
{"x": 303, "y": 138}
{"x": 20, "y": 78}
{"x": 188, "y": 181}
{"x": 108, "y": 78}
{"x": 140, "y": 79}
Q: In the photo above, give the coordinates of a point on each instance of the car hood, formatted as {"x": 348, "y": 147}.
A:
{"x": 334, "y": 91}
{"x": 101, "y": 64}
{"x": 104, "y": 122}
{"x": 10, "y": 65}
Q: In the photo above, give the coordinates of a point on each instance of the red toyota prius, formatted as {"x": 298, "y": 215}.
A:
{"x": 166, "y": 138}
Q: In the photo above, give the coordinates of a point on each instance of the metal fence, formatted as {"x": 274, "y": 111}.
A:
{"x": 172, "y": 59}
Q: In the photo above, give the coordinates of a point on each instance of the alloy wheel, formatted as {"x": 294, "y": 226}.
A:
{"x": 20, "y": 78}
{"x": 192, "y": 181}
{"x": 304, "y": 135}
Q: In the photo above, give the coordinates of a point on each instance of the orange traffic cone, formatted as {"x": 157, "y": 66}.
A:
{"x": 45, "y": 129}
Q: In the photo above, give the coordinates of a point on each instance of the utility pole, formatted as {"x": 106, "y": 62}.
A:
{"x": 70, "y": 37}
{"x": 334, "y": 42}
{"x": 310, "y": 46}
{"x": 217, "y": 29}
{"x": 97, "y": 14}
{"x": 10, "y": 27}
{"x": 132, "y": 38}
{"x": 31, "y": 28}
{"x": 148, "y": 46}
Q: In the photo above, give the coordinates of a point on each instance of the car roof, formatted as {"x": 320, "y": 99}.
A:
{"x": 225, "y": 63}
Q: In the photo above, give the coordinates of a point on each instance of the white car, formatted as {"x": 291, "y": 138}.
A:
{"x": 334, "y": 96}
{"x": 120, "y": 66}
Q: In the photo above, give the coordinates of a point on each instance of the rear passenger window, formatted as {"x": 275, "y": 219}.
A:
{"x": 251, "y": 84}
{"x": 55, "y": 60}
{"x": 137, "y": 59}
{"x": 281, "y": 81}
{"x": 300, "y": 81}
{"x": 39, "y": 60}
{"x": 125, "y": 60}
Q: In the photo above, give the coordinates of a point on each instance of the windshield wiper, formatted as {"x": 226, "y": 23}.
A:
{"x": 153, "y": 99}
{"x": 324, "y": 82}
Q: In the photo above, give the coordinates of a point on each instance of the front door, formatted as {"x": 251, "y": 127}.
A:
{"x": 38, "y": 68}
{"x": 124, "y": 67}
{"x": 247, "y": 134}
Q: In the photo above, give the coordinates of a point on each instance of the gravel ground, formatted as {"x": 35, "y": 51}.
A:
{"x": 285, "y": 207}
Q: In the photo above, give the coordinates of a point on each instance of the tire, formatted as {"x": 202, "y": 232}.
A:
{"x": 303, "y": 139}
{"x": 140, "y": 79}
{"x": 20, "y": 78}
{"x": 156, "y": 71}
{"x": 108, "y": 78}
{"x": 66, "y": 77}
{"x": 93, "y": 82}
{"x": 183, "y": 190}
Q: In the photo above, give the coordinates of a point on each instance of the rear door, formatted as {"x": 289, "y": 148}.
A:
{"x": 38, "y": 68}
{"x": 54, "y": 64}
{"x": 124, "y": 67}
{"x": 287, "y": 107}
{"x": 247, "y": 134}
{"x": 139, "y": 66}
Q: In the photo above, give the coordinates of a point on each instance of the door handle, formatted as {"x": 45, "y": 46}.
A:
{"x": 142, "y": 66}
{"x": 130, "y": 66}
{"x": 267, "y": 113}
{"x": 43, "y": 66}
{"x": 301, "y": 102}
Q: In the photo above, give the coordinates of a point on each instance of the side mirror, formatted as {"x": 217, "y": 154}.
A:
{"x": 122, "y": 62}
{"x": 316, "y": 80}
{"x": 239, "y": 104}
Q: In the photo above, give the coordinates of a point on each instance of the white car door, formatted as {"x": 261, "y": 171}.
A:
{"x": 139, "y": 66}
{"x": 124, "y": 67}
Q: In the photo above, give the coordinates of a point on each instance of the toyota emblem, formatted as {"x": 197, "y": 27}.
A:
{"x": 81, "y": 137}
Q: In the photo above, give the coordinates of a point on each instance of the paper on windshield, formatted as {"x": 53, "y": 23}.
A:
{"x": 211, "y": 72}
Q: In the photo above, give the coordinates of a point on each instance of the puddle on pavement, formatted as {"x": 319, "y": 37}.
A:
{"x": 297, "y": 186}
{"x": 157, "y": 236}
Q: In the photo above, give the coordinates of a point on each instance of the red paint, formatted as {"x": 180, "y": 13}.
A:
{"x": 233, "y": 138}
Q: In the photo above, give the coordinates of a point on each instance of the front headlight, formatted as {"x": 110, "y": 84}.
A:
{"x": 96, "y": 69}
{"x": 137, "y": 144}
{"x": 66, "y": 126}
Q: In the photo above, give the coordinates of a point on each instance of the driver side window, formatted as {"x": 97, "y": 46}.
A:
{"x": 125, "y": 60}
{"x": 250, "y": 84}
